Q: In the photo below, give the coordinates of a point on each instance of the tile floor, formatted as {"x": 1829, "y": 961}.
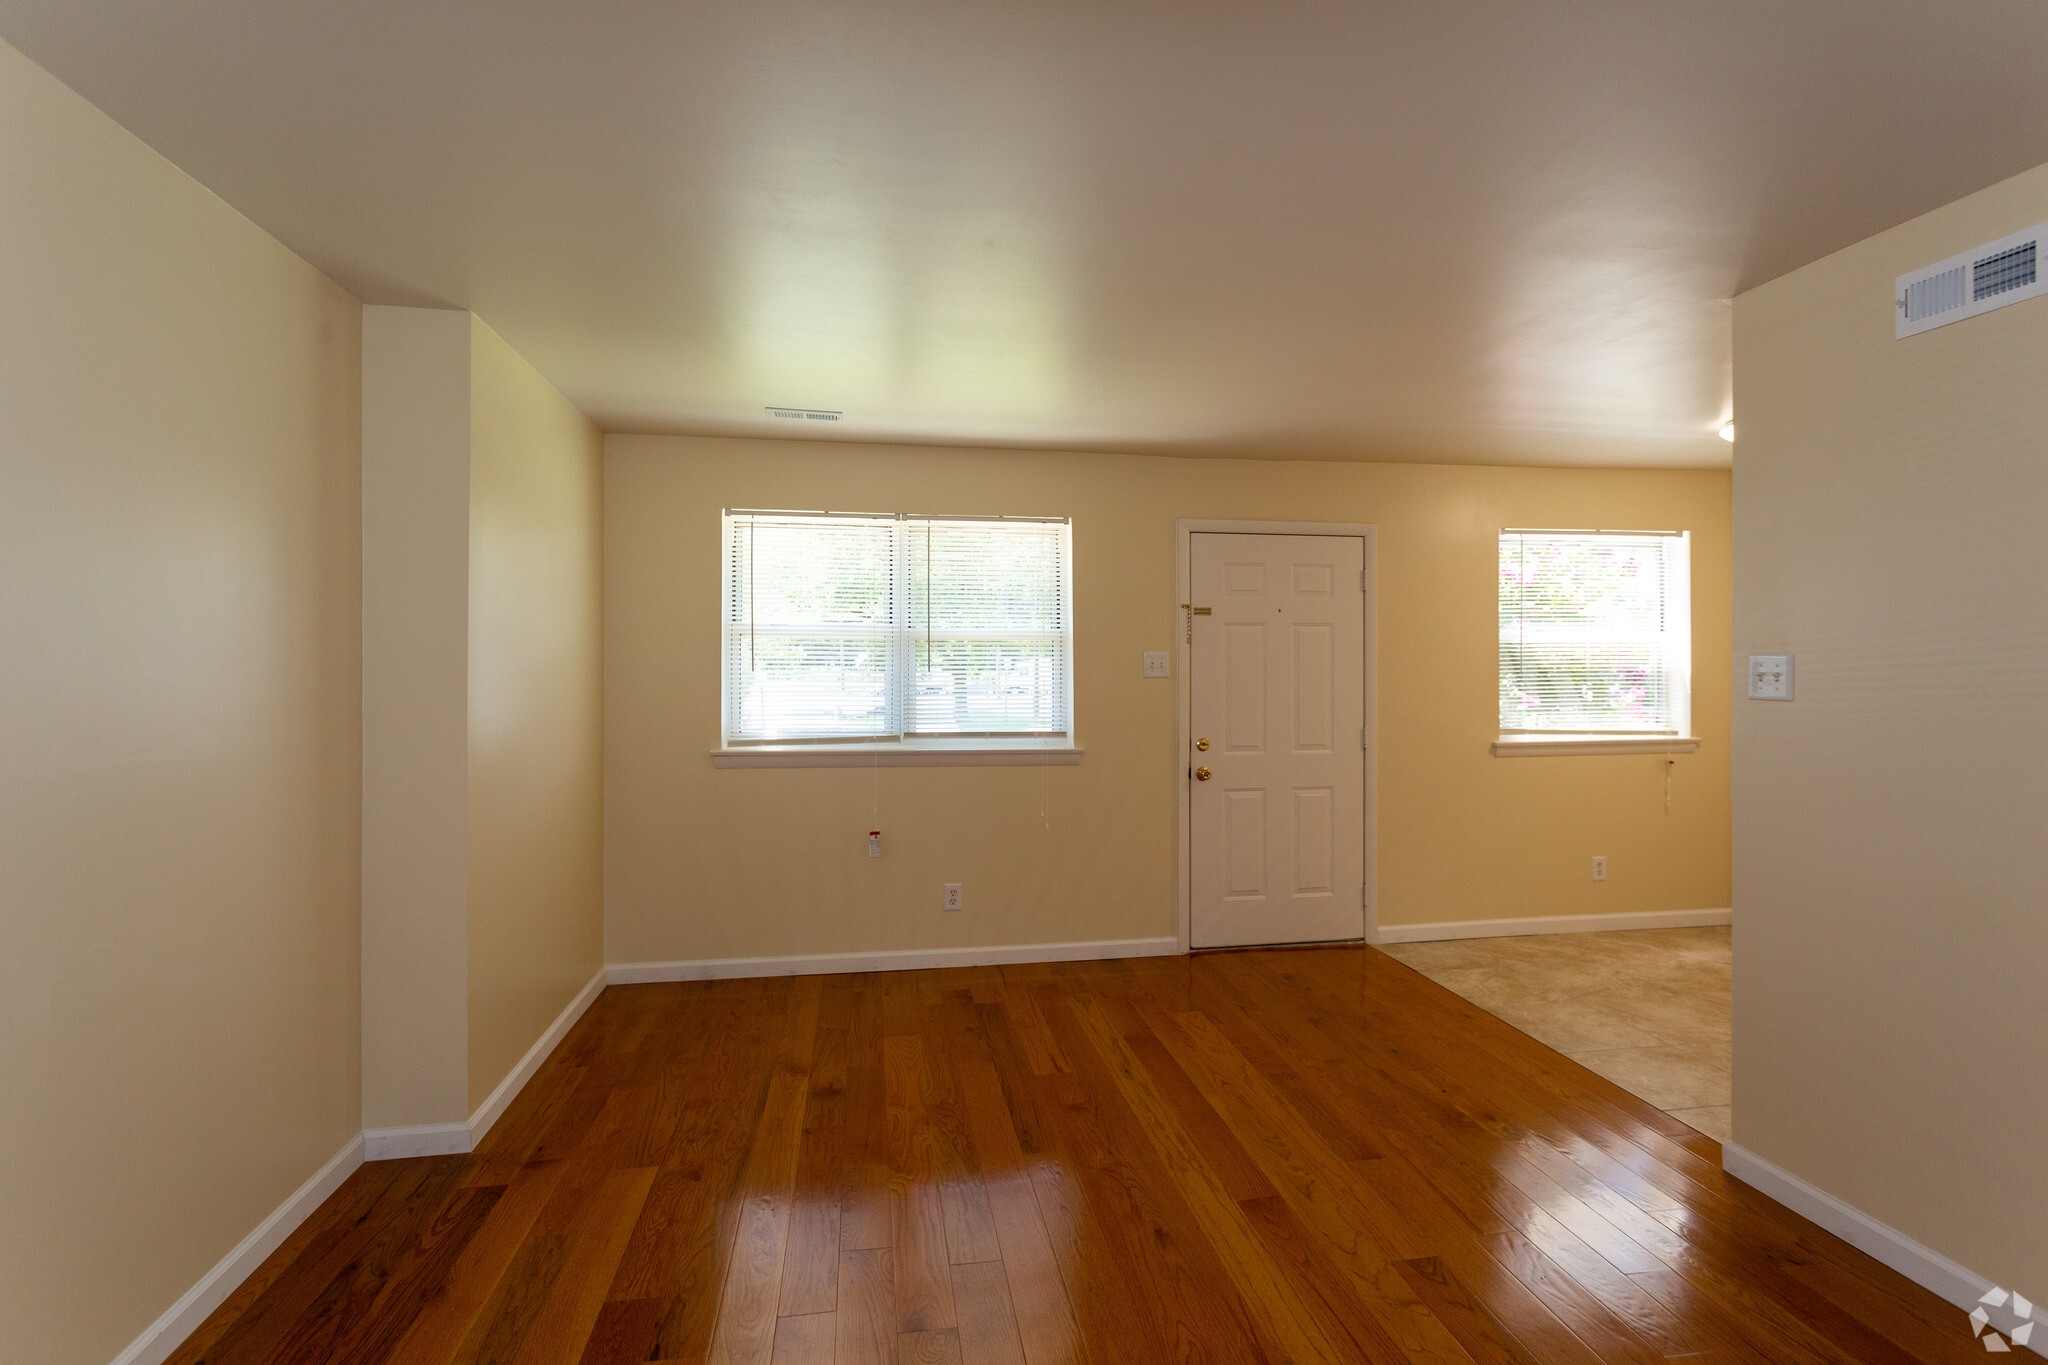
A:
{"x": 1646, "y": 1008}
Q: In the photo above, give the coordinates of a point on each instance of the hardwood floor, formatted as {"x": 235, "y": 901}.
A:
{"x": 1315, "y": 1155}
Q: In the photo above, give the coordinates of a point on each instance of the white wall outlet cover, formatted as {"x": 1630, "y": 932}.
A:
{"x": 1770, "y": 677}
{"x": 952, "y": 895}
{"x": 1600, "y": 868}
{"x": 1158, "y": 664}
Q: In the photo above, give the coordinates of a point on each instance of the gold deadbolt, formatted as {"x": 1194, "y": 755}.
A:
{"x": 1203, "y": 774}
{"x": 1203, "y": 745}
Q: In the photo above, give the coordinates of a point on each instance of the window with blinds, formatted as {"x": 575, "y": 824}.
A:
{"x": 1595, "y": 633}
{"x": 845, "y": 628}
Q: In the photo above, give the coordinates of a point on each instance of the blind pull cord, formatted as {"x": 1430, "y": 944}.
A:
{"x": 1045, "y": 790}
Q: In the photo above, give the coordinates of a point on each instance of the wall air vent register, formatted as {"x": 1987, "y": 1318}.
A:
{"x": 1972, "y": 282}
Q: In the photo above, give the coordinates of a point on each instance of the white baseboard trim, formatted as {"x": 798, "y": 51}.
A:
{"x": 182, "y": 1318}
{"x": 727, "y": 968}
{"x": 1550, "y": 924}
{"x": 452, "y": 1139}
{"x": 1922, "y": 1265}
{"x": 419, "y": 1139}
{"x": 515, "y": 1080}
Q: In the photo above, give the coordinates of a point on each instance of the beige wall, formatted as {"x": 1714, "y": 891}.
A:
{"x": 416, "y": 434}
{"x": 483, "y": 857}
{"x": 1890, "y": 1017}
{"x": 705, "y": 863}
{"x": 178, "y": 723}
{"x": 535, "y": 729}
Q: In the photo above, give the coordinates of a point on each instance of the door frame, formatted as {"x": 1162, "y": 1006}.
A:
{"x": 1183, "y": 531}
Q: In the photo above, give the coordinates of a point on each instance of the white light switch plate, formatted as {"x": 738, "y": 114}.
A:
{"x": 1158, "y": 664}
{"x": 1770, "y": 677}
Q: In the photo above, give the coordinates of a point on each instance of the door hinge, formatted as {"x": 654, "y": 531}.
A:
{"x": 1362, "y": 584}
{"x": 1363, "y": 741}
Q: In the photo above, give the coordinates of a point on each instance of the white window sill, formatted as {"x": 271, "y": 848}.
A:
{"x": 1562, "y": 746}
{"x": 980, "y": 754}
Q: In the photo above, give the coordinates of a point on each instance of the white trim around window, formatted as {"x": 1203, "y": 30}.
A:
{"x": 925, "y": 755}
{"x": 895, "y": 640}
{"x": 1595, "y": 643}
{"x": 1566, "y": 746}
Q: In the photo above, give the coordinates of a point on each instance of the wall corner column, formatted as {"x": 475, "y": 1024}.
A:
{"x": 415, "y": 472}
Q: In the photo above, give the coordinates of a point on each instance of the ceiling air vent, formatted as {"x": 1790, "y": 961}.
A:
{"x": 806, "y": 414}
{"x": 1995, "y": 274}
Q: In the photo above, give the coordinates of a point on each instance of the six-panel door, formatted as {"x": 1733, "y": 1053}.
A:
{"x": 1277, "y": 687}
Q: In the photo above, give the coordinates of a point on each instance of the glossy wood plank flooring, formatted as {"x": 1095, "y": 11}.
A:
{"x": 1315, "y": 1155}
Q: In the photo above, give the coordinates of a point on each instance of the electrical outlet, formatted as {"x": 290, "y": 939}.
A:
{"x": 952, "y": 895}
{"x": 1770, "y": 677}
{"x": 1600, "y": 868}
{"x": 1158, "y": 664}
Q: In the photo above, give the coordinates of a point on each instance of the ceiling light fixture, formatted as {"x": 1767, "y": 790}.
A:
{"x": 1728, "y": 432}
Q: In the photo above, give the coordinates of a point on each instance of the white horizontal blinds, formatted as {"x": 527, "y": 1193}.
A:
{"x": 1592, "y": 630}
{"x": 987, "y": 628}
{"x": 811, "y": 613}
{"x": 850, "y": 628}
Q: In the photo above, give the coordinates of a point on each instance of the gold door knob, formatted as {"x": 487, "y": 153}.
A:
{"x": 1203, "y": 745}
{"x": 1202, "y": 774}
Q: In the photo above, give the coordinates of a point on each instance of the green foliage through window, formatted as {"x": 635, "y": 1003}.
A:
{"x": 1594, "y": 632}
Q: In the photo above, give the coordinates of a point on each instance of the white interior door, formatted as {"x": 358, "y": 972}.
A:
{"x": 1276, "y": 771}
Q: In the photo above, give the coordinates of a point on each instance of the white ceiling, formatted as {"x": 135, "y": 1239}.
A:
{"x": 1500, "y": 232}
